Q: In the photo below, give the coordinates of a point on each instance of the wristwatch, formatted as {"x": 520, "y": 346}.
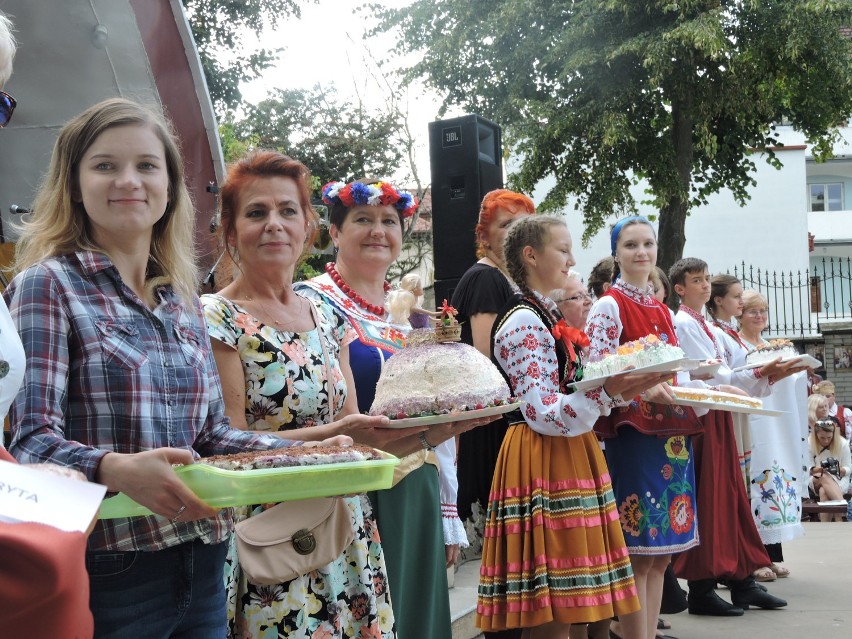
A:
{"x": 425, "y": 442}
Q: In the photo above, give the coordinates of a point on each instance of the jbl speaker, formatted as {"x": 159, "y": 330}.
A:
{"x": 466, "y": 159}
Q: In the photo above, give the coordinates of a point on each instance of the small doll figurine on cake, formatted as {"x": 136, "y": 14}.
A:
{"x": 403, "y": 304}
{"x": 419, "y": 317}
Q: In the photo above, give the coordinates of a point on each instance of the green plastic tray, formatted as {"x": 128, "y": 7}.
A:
{"x": 222, "y": 488}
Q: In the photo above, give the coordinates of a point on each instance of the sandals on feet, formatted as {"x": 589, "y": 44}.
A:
{"x": 764, "y": 574}
{"x": 662, "y": 624}
{"x": 780, "y": 571}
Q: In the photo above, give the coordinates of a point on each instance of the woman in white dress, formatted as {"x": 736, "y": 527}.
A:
{"x": 778, "y": 459}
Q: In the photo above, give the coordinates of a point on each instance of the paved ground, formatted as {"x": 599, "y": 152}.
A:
{"x": 819, "y": 592}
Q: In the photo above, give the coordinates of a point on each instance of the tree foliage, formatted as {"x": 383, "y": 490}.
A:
{"x": 223, "y": 30}
{"x": 336, "y": 140}
{"x": 600, "y": 93}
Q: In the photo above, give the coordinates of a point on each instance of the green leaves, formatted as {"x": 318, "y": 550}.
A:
{"x": 221, "y": 29}
{"x": 595, "y": 92}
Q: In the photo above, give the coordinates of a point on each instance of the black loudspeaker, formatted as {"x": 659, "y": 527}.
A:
{"x": 466, "y": 159}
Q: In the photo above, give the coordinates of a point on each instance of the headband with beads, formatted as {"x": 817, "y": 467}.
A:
{"x": 378, "y": 194}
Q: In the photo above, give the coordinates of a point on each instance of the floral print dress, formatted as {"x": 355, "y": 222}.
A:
{"x": 286, "y": 388}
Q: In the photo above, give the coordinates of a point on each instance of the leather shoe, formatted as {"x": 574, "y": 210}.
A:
{"x": 710, "y": 603}
{"x": 753, "y": 595}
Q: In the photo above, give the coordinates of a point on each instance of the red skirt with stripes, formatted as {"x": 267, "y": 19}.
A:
{"x": 553, "y": 547}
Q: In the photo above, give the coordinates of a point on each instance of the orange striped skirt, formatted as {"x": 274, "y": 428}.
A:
{"x": 553, "y": 547}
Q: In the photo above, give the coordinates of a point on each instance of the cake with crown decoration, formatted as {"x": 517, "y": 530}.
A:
{"x": 647, "y": 351}
{"x": 437, "y": 374}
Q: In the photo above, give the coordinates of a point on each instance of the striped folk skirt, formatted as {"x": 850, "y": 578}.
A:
{"x": 553, "y": 548}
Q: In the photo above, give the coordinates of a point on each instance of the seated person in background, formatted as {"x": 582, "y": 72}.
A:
{"x": 817, "y": 410}
{"x": 843, "y": 414}
{"x": 831, "y": 463}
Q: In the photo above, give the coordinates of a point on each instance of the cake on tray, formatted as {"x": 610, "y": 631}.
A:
{"x": 647, "y": 351}
{"x": 292, "y": 456}
{"x": 435, "y": 377}
{"x": 771, "y": 350}
{"x": 719, "y": 397}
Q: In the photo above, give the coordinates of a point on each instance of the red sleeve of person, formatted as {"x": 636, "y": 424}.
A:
{"x": 43, "y": 583}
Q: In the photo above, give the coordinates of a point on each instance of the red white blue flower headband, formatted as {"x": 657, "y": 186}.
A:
{"x": 377, "y": 194}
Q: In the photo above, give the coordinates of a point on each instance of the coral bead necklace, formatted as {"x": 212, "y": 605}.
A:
{"x": 352, "y": 295}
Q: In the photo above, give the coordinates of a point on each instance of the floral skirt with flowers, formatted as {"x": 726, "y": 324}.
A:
{"x": 653, "y": 479}
{"x": 553, "y": 548}
{"x": 346, "y": 599}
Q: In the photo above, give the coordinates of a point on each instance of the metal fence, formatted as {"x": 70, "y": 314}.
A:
{"x": 800, "y": 300}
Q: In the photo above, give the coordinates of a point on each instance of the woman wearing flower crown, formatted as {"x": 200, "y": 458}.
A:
{"x": 366, "y": 227}
{"x": 553, "y": 553}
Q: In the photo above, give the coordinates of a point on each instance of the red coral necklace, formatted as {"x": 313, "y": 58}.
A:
{"x": 352, "y": 295}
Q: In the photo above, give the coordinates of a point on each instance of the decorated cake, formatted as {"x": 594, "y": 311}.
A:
{"x": 646, "y": 351}
{"x": 292, "y": 456}
{"x": 707, "y": 395}
{"x": 771, "y": 350}
{"x": 433, "y": 377}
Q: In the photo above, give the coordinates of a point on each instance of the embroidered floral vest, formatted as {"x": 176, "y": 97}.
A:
{"x": 638, "y": 320}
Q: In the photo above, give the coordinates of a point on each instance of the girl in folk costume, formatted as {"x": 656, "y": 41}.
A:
{"x": 656, "y": 498}
{"x": 778, "y": 479}
{"x": 730, "y": 546}
{"x": 553, "y": 552}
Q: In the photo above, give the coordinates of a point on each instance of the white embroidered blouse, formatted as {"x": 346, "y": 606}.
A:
{"x": 526, "y": 350}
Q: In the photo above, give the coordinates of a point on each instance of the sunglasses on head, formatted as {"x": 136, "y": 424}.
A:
{"x": 827, "y": 426}
{"x": 7, "y": 108}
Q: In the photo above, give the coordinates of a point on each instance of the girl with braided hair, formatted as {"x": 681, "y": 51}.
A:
{"x": 553, "y": 554}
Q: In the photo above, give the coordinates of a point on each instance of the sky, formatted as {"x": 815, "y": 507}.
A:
{"x": 327, "y": 45}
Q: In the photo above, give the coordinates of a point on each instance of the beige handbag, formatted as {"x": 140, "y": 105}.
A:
{"x": 297, "y": 537}
{"x": 292, "y": 539}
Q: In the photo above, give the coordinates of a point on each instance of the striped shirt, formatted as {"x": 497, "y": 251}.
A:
{"x": 107, "y": 373}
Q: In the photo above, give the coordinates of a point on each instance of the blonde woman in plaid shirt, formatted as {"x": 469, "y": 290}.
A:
{"x": 120, "y": 381}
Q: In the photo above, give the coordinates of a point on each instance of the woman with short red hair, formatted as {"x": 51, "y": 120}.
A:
{"x": 481, "y": 293}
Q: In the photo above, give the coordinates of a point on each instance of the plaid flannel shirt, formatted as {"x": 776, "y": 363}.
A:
{"x": 106, "y": 373}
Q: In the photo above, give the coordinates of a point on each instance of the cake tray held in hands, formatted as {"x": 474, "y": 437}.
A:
{"x": 674, "y": 366}
{"x": 431, "y": 420}
{"x": 804, "y": 360}
{"x": 723, "y": 405}
{"x": 222, "y": 488}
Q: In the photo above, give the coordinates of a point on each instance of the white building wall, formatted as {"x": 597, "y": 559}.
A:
{"x": 769, "y": 232}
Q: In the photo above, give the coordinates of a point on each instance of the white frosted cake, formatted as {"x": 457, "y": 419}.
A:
{"x": 771, "y": 350}
{"x": 292, "y": 456}
{"x": 647, "y": 351}
{"x": 432, "y": 378}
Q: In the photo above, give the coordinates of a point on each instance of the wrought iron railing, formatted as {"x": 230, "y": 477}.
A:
{"x": 800, "y": 300}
